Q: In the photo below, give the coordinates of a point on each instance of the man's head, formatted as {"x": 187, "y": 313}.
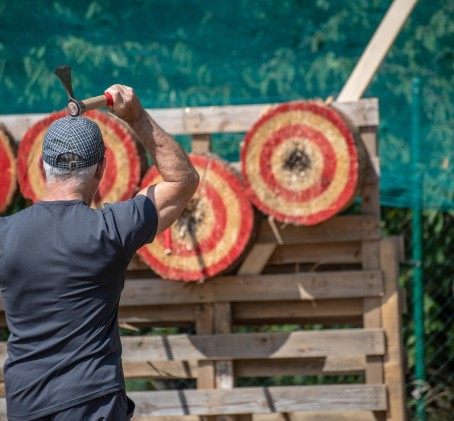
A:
{"x": 73, "y": 153}
{"x": 72, "y": 143}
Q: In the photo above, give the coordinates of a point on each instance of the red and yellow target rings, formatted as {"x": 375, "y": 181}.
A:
{"x": 300, "y": 163}
{"x": 212, "y": 232}
{"x": 123, "y": 167}
{"x": 8, "y": 169}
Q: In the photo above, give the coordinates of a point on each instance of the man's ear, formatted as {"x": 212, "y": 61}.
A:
{"x": 100, "y": 169}
{"x": 40, "y": 163}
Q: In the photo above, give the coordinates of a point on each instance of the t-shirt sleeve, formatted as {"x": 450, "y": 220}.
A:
{"x": 135, "y": 222}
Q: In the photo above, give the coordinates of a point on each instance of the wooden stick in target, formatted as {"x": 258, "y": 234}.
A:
{"x": 376, "y": 50}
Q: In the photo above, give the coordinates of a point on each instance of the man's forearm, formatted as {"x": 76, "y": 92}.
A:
{"x": 180, "y": 180}
{"x": 168, "y": 156}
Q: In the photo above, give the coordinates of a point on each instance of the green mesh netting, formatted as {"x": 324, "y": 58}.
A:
{"x": 179, "y": 53}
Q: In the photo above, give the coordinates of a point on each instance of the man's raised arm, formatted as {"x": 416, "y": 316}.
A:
{"x": 180, "y": 179}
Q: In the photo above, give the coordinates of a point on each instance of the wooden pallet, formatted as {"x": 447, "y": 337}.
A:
{"x": 336, "y": 282}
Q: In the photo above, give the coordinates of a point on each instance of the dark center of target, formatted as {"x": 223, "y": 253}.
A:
{"x": 297, "y": 161}
{"x": 190, "y": 219}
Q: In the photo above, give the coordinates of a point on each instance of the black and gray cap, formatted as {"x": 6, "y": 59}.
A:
{"x": 73, "y": 142}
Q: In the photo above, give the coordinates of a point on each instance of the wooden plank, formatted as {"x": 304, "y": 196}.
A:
{"x": 364, "y": 112}
{"x": 256, "y": 259}
{"x": 204, "y": 325}
{"x": 302, "y": 311}
{"x": 391, "y": 316}
{"x": 337, "y": 229}
{"x": 294, "y": 416}
{"x": 219, "y": 119}
{"x": 372, "y": 313}
{"x": 323, "y": 253}
{"x": 287, "y": 416}
{"x": 302, "y": 344}
{"x": 373, "y": 171}
{"x": 318, "y": 416}
{"x": 329, "y": 365}
{"x": 372, "y": 318}
{"x": 331, "y": 310}
{"x": 368, "y": 137}
{"x": 170, "y": 315}
{"x": 376, "y": 50}
{"x": 240, "y": 118}
{"x": 370, "y": 205}
{"x": 301, "y": 286}
{"x": 260, "y": 400}
{"x": 223, "y": 325}
{"x": 225, "y": 376}
{"x": 160, "y": 369}
{"x": 201, "y": 143}
{"x": 370, "y": 201}
{"x": 144, "y": 294}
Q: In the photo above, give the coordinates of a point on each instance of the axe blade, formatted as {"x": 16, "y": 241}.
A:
{"x": 64, "y": 75}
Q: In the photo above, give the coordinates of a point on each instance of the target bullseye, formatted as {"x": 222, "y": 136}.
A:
{"x": 300, "y": 163}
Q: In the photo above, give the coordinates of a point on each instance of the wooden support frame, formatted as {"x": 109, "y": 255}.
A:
{"x": 361, "y": 289}
{"x": 207, "y": 120}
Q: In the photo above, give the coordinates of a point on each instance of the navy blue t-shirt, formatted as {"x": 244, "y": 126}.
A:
{"x": 62, "y": 270}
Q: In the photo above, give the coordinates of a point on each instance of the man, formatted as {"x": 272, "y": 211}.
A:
{"x": 62, "y": 267}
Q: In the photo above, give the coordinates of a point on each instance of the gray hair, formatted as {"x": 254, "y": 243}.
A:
{"x": 78, "y": 176}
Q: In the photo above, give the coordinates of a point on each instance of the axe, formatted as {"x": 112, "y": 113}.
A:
{"x": 76, "y": 106}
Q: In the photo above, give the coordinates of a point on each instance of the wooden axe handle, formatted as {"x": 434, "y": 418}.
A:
{"x": 97, "y": 102}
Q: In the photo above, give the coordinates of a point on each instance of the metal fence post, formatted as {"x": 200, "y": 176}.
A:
{"x": 417, "y": 236}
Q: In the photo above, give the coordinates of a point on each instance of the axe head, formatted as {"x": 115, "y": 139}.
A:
{"x": 75, "y": 107}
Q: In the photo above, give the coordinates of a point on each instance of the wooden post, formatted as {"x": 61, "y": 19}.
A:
{"x": 391, "y": 320}
{"x": 201, "y": 143}
{"x": 370, "y": 252}
{"x": 206, "y": 371}
{"x": 376, "y": 50}
{"x": 204, "y": 325}
{"x": 224, "y": 370}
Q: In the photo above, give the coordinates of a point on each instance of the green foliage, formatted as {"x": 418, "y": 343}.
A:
{"x": 197, "y": 52}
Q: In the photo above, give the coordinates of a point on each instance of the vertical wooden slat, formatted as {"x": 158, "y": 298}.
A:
{"x": 370, "y": 256}
{"x": 223, "y": 324}
{"x": 206, "y": 378}
{"x": 391, "y": 319}
{"x": 370, "y": 251}
{"x": 224, "y": 370}
{"x": 201, "y": 143}
{"x": 206, "y": 371}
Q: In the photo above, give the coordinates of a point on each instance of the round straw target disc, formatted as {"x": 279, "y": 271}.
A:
{"x": 8, "y": 169}
{"x": 300, "y": 163}
{"x": 212, "y": 232}
{"x": 123, "y": 163}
